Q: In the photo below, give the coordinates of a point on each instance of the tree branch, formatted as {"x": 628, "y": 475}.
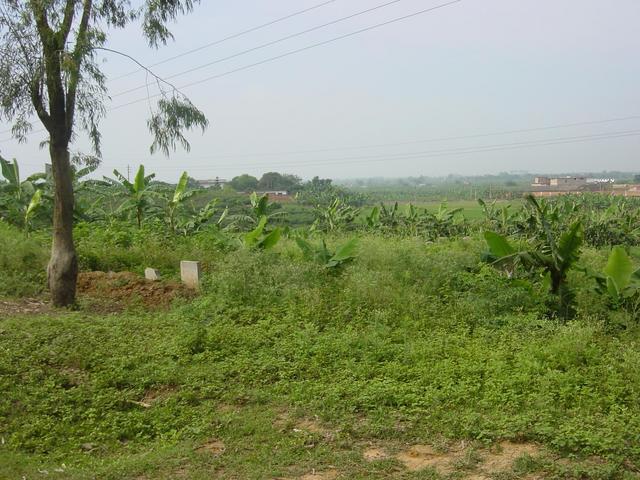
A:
{"x": 67, "y": 22}
{"x": 74, "y": 76}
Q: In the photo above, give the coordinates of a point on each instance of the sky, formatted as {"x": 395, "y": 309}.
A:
{"x": 433, "y": 94}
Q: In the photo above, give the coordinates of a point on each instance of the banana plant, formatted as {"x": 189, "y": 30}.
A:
{"x": 20, "y": 200}
{"x": 34, "y": 204}
{"x": 389, "y": 216}
{"x": 259, "y": 207}
{"x": 139, "y": 193}
{"x": 497, "y": 217}
{"x": 619, "y": 281}
{"x": 180, "y": 195}
{"x": 556, "y": 256}
{"x": 373, "y": 219}
{"x": 195, "y": 222}
{"x": 331, "y": 260}
{"x": 259, "y": 239}
{"x": 336, "y": 216}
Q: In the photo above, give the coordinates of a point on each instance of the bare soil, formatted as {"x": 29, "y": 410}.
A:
{"x": 116, "y": 291}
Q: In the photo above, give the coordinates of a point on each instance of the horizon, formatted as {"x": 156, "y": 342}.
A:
{"x": 470, "y": 88}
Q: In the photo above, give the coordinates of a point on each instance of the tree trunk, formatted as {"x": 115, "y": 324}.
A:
{"x": 62, "y": 271}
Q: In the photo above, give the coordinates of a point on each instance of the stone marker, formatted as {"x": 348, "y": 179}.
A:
{"x": 190, "y": 273}
{"x": 152, "y": 274}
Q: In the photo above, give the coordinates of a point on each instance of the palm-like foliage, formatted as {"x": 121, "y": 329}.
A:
{"x": 179, "y": 197}
{"x": 258, "y": 238}
{"x": 336, "y": 216}
{"x": 331, "y": 260}
{"x": 619, "y": 280}
{"x": 20, "y": 200}
{"x": 555, "y": 255}
{"x": 139, "y": 193}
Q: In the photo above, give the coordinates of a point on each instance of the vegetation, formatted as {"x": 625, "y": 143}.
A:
{"x": 49, "y": 69}
{"x": 315, "y": 338}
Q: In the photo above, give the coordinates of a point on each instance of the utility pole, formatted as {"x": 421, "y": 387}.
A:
{"x": 128, "y": 173}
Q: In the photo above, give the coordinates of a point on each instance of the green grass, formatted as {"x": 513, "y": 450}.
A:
{"x": 412, "y": 344}
{"x": 22, "y": 263}
{"x": 470, "y": 208}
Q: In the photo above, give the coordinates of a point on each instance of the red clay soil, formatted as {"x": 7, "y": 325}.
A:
{"x": 117, "y": 290}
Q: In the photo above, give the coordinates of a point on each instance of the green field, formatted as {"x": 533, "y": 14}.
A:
{"x": 417, "y": 361}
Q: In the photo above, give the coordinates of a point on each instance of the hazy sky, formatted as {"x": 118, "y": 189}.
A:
{"x": 472, "y": 68}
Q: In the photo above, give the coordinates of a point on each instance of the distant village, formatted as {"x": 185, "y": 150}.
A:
{"x": 552, "y": 186}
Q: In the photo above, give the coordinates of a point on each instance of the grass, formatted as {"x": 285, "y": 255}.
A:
{"x": 279, "y": 369}
{"x": 22, "y": 263}
{"x": 470, "y": 208}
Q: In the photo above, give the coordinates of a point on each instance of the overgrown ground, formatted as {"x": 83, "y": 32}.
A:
{"x": 416, "y": 362}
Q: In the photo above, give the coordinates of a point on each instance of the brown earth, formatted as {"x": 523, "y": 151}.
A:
{"x": 106, "y": 292}
{"x": 115, "y": 291}
{"x": 213, "y": 447}
{"x": 500, "y": 458}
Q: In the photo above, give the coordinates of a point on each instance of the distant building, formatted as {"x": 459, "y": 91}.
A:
{"x": 551, "y": 186}
{"x": 277, "y": 195}
{"x": 541, "y": 182}
{"x": 213, "y": 183}
{"x": 568, "y": 183}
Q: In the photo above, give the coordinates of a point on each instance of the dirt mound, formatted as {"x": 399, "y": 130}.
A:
{"x": 116, "y": 291}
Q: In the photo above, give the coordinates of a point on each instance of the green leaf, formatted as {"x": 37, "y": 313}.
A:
{"x": 619, "y": 268}
{"x": 307, "y": 249}
{"x": 613, "y": 289}
{"x": 10, "y": 171}
{"x": 499, "y": 246}
{"x": 569, "y": 245}
{"x": 251, "y": 238}
{"x": 270, "y": 240}
{"x": 35, "y": 202}
{"x": 181, "y": 188}
{"x": 346, "y": 251}
{"x": 138, "y": 182}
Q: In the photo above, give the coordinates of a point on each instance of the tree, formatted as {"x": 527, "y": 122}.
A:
{"x": 244, "y": 183}
{"x": 48, "y": 67}
{"x": 278, "y": 181}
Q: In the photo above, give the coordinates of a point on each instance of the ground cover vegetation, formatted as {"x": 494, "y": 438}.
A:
{"x": 371, "y": 340}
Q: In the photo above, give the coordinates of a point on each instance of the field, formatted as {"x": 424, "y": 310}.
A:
{"x": 417, "y": 356}
{"x": 371, "y": 343}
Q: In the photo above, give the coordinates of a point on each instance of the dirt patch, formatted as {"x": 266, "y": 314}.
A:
{"x": 115, "y": 291}
{"x": 419, "y": 457}
{"x": 501, "y": 456}
{"x": 311, "y": 426}
{"x": 325, "y": 475}
{"x": 284, "y": 422}
{"x": 23, "y": 306}
{"x": 213, "y": 447}
{"x": 374, "y": 454}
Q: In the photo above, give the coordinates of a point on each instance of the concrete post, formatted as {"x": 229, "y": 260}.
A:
{"x": 190, "y": 274}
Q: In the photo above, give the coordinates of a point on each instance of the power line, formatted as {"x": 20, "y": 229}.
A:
{"x": 436, "y": 153}
{"x": 230, "y": 37}
{"x": 429, "y": 153}
{"x": 264, "y": 45}
{"x": 293, "y": 52}
{"x": 428, "y": 140}
{"x": 217, "y": 42}
{"x": 277, "y": 57}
